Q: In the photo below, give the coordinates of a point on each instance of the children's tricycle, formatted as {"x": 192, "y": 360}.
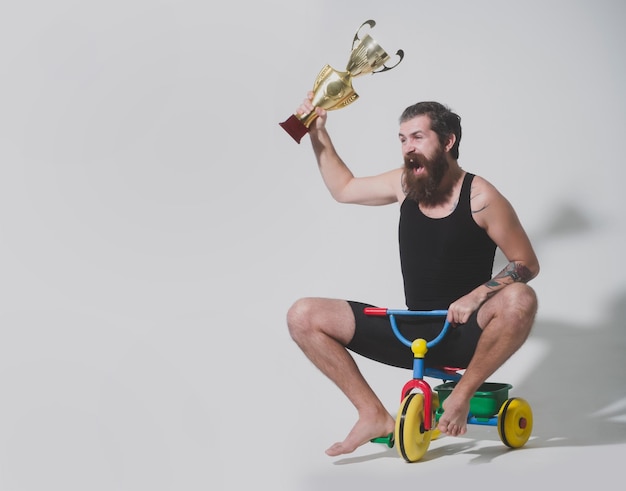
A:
{"x": 420, "y": 407}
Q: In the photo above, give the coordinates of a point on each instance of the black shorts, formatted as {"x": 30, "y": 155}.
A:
{"x": 374, "y": 339}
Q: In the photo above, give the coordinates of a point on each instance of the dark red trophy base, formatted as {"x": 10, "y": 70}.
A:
{"x": 294, "y": 127}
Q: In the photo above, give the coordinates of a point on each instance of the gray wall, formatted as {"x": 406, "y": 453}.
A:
{"x": 156, "y": 222}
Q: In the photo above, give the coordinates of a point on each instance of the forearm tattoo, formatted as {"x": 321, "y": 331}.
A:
{"x": 512, "y": 273}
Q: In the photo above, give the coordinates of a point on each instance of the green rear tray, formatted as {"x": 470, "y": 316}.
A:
{"x": 486, "y": 401}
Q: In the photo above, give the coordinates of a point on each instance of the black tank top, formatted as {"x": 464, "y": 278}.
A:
{"x": 443, "y": 259}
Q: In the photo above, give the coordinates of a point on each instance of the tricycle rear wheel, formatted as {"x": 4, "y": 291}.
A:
{"x": 515, "y": 422}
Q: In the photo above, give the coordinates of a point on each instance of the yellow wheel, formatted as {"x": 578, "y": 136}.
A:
{"x": 411, "y": 439}
{"x": 515, "y": 422}
{"x": 435, "y": 433}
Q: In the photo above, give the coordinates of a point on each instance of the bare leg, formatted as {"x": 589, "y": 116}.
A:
{"x": 322, "y": 328}
{"x": 507, "y": 319}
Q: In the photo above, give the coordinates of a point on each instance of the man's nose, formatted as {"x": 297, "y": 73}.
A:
{"x": 409, "y": 147}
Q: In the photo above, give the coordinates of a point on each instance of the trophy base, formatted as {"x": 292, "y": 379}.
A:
{"x": 294, "y": 127}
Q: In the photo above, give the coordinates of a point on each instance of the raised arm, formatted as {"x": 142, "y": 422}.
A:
{"x": 344, "y": 187}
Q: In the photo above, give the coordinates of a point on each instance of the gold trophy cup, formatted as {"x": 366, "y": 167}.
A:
{"x": 333, "y": 89}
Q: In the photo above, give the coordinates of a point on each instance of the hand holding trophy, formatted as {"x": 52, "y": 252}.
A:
{"x": 333, "y": 89}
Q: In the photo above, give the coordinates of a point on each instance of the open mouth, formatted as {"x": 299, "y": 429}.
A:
{"x": 414, "y": 165}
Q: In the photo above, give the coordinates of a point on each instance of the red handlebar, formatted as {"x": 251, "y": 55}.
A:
{"x": 375, "y": 311}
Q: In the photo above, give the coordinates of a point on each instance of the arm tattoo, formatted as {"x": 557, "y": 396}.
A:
{"x": 472, "y": 196}
{"x": 479, "y": 210}
{"x": 511, "y": 273}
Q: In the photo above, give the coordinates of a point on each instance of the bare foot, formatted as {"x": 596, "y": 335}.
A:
{"x": 453, "y": 421}
{"x": 365, "y": 429}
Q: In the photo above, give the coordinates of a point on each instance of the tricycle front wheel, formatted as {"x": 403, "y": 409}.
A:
{"x": 412, "y": 439}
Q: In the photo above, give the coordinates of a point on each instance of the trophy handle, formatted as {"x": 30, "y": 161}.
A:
{"x": 356, "y": 39}
{"x": 384, "y": 68}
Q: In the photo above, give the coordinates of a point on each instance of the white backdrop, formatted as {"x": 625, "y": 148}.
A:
{"x": 156, "y": 222}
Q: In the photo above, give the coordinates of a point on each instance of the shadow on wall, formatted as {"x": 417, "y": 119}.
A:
{"x": 568, "y": 220}
{"x": 578, "y": 392}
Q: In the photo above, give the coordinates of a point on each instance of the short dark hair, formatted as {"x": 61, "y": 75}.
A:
{"x": 442, "y": 121}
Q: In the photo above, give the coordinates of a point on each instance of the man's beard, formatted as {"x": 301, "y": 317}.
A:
{"x": 425, "y": 189}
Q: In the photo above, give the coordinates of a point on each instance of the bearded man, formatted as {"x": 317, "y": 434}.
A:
{"x": 451, "y": 223}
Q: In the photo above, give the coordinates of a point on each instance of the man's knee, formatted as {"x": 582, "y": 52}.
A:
{"x": 299, "y": 317}
{"x": 523, "y": 299}
{"x": 331, "y": 317}
{"x": 518, "y": 308}
{"x": 515, "y": 306}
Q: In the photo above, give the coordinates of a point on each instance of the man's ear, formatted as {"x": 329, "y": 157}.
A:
{"x": 451, "y": 141}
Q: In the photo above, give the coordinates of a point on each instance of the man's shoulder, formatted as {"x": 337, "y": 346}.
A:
{"x": 483, "y": 196}
{"x": 482, "y": 185}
